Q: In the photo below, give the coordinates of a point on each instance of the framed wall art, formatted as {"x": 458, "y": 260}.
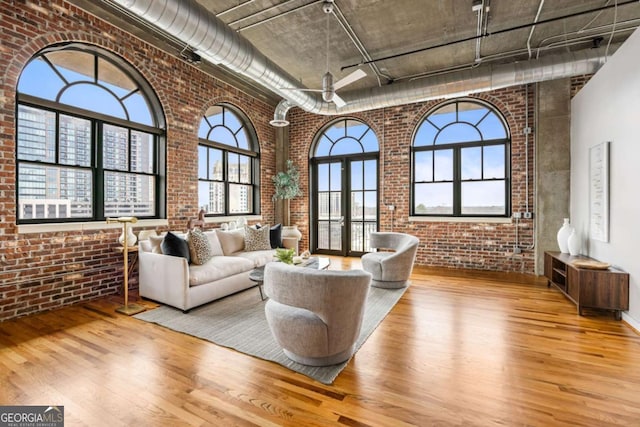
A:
{"x": 599, "y": 192}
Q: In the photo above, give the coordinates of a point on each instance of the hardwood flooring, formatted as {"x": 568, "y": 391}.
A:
{"x": 459, "y": 348}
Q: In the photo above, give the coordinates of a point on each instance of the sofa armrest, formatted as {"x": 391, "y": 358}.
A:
{"x": 164, "y": 278}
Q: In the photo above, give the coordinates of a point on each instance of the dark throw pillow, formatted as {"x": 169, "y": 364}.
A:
{"x": 175, "y": 246}
{"x": 275, "y": 236}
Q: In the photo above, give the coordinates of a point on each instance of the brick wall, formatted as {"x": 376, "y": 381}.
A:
{"x": 41, "y": 271}
{"x": 473, "y": 245}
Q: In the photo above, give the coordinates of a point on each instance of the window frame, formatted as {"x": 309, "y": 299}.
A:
{"x": 456, "y": 147}
{"x": 253, "y": 153}
{"x": 97, "y": 122}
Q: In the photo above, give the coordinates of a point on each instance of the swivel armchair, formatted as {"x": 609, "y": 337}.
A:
{"x": 315, "y": 315}
{"x": 390, "y": 269}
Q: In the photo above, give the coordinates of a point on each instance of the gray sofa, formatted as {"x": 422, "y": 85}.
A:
{"x": 173, "y": 281}
{"x": 390, "y": 269}
{"x": 315, "y": 315}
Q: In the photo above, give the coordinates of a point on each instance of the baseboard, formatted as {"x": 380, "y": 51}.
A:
{"x": 633, "y": 323}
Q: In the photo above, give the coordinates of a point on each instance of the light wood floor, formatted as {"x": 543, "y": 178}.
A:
{"x": 466, "y": 349}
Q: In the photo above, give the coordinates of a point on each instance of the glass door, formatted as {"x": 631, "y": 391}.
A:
{"x": 347, "y": 205}
{"x": 330, "y": 219}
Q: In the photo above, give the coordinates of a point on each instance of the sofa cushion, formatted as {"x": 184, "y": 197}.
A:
{"x": 214, "y": 243}
{"x": 258, "y": 258}
{"x": 275, "y": 236}
{"x": 256, "y": 239}
{"x": 175, "y": 246}
{"x": 156, "y": 242}
{"x": 199, "y": 247}
{"x": 231, "y": 241}
{"x": 218, "y": 267}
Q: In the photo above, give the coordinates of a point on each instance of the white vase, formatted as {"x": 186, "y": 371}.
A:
{"x": 291, "y": 231}
{"x": 131, "y": 237}
{"x": 574, "y": 243}
{"x": 563, "y": 236}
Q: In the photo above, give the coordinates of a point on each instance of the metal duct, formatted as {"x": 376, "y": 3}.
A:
{"x": 213, "y": 40}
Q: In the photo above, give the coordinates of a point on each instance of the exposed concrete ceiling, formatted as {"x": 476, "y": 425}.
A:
{"x": 292, "y": 33}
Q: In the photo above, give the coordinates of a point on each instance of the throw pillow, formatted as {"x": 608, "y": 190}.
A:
{"x": 156, "y": 242}
{"x": 256, "y": 239}
{"x": 275, "y": 236}
{"x": 199, "y": 247}
{"x": 232, "y": 241}
{"x": 214, "y": 243}
{"x": 175, "y": 246}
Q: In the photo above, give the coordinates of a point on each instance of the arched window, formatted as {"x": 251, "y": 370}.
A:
{"x": 346, "y": 136}
{"x": 228, "y": 163}
{"x": 461, "y": 153}
{"x": 90, "y": 138}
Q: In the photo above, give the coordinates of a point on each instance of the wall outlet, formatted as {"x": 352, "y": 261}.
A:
{"x": 391, "y": 207}
{"x": 517, "y": 250}
{"x": 517, "y": 215}
{"x": 528, "y": 215}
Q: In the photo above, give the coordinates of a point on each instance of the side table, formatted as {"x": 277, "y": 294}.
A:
{"x": 127, "y": 270}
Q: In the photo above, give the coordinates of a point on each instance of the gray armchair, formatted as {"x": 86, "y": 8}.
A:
{"x": 315, "y": 315}
{"x": 390, "y": 269}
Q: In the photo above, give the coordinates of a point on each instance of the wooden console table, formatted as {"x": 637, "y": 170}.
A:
{"x": 588, "y": 288}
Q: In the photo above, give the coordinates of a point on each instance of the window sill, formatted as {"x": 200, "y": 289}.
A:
{"x": 82, "y": 226}
{"x": 221, "y": 219}
{"x": 489, "y": 219}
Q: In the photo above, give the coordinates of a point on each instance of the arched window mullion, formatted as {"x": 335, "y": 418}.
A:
{"x": 436, "y": 126}
{"x": 483, "y": 117}
{"x": 55, "y": 70}
{"x": 112, "y": 93}
{"x": 95, "y": 71}
{"x": 133, "y": 92}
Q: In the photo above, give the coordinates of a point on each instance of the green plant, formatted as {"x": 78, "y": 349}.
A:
{"x": 285, "y": 255}
{"x": 287, "y": 183}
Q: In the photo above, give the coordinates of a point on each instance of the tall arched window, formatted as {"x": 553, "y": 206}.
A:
{"x": 344, "y": 162}
{"x": 228, "y": 163}
{"x": 90, "y": 138}
{"x": 461, "y": 153}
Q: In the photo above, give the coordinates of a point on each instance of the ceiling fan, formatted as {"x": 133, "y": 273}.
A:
{"x": 329, "y": 88}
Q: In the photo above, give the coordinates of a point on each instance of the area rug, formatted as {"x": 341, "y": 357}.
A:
{"x": 238, "y": 321}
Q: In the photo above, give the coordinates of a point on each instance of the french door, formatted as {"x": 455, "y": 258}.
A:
{"x": 345, "y": 204}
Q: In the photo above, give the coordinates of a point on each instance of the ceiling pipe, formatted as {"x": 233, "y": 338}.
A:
{"x": 213, "y": 40}
{"x": 468, "y": 81}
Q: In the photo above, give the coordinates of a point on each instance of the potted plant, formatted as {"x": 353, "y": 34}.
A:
{"x": 287, "y": 186}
